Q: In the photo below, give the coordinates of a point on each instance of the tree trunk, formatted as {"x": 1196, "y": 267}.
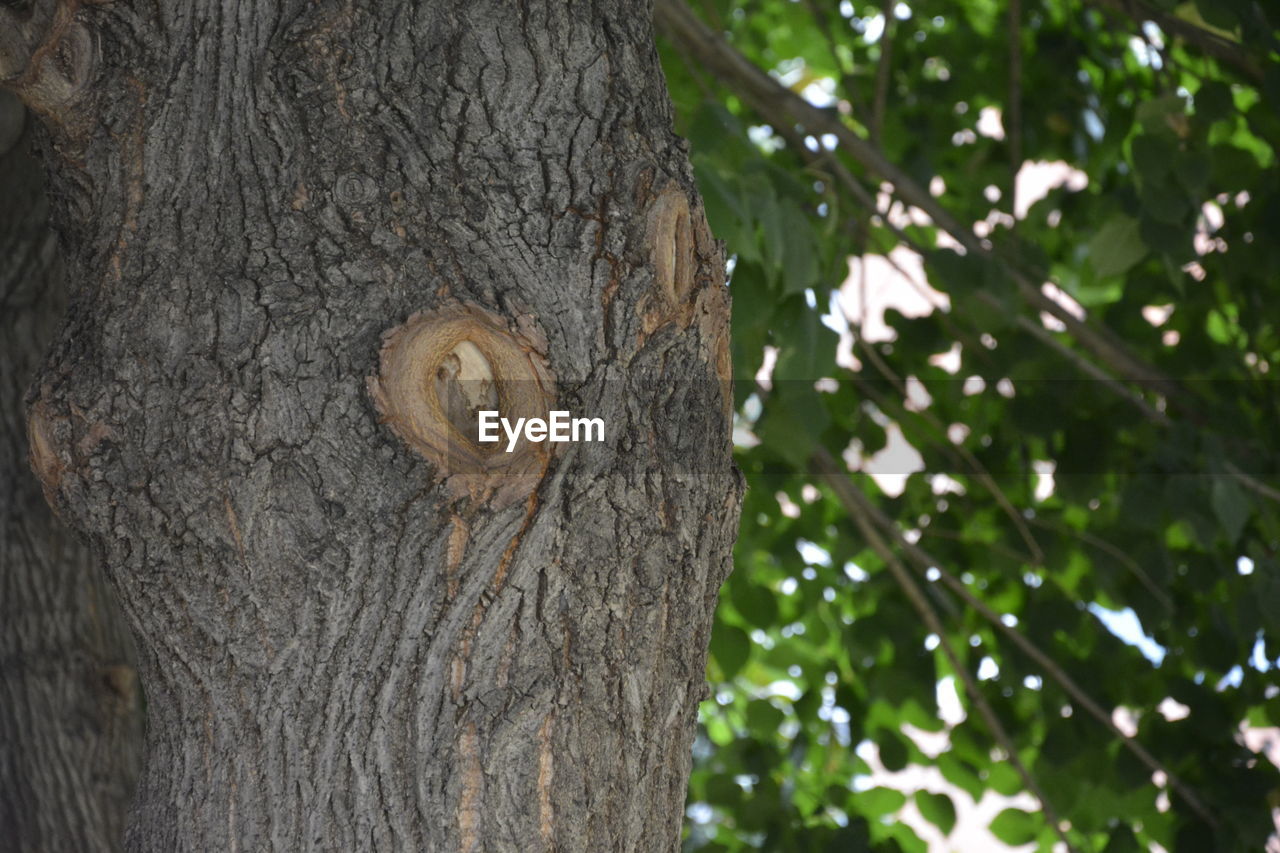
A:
{"x": 310, "y": 240}
{"x": 70, "y": 710}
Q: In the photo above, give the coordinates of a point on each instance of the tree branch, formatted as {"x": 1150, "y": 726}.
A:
{"x": 1013, "y": 109}
{"x": 1209, "y": 43}
{"x": 824, "y": 26}
{"x": 884, "y": 71}
{"x": 825, "y": 467}
{"x": 1031, "y": 326}
{"x": 859, "y": 506}
{"x": 779, "y": 106}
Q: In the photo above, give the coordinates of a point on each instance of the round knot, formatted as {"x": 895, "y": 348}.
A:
{"x": 441, "y": 369}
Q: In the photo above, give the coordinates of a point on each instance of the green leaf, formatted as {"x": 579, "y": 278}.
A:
{"x": 1003, "y": 779}
{"x": 877, "y": 802}
{"x": 1214, "y": 102}
{"x": 1231, "y": 505}
{"x": 758, "y": 605}
{"x": 792, "y": 423}
{"x": 893, "y": 752}
{"x": 1217, "y": 13}
{"x": 768, "y": 214}
{"x": 960, "y": 774}
{"x": 763, "y": 718}
{"x": 753, "y": 298}
{"x": 1122, "y": 840}
{"x": 799, "y": 249}
{"x": 806, "y": 348}
{"x": 1159, "y": 115}
{"x": 1134, "y": 518}
{"x": 1117, "y": 246}
{"x": 1232, "y": 168}
{"x": 1153, "y": 157}
{"x": 978, "y": 290}
{"x": 1015, "y": 827}
{"x": 722, "y": 790}
{"x": 730, "y": 646}
{"x": 937, "y": 809}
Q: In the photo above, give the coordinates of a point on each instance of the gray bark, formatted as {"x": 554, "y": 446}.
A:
{"x": 343, "y": 648}
{"x": 70, "y": 710}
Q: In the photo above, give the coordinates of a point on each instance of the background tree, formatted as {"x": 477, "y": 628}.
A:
{"x": 1077, "y": 592}
{"x": 70, "y": 709}
{"x": 307, "y": 241}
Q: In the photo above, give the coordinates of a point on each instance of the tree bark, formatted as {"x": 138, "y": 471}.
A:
{"x": 70, "y": 709}
{"x": 290, "y": 226}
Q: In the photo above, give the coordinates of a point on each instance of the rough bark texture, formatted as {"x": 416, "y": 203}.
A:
{"x": 341, "y": 652}
{"x": 70, "y": 710}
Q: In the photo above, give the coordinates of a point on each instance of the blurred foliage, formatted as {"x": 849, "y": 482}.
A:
{"x": 1165, "y": 501}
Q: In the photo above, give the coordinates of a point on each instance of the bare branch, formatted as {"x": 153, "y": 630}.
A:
{"x": 1116, "y": 554}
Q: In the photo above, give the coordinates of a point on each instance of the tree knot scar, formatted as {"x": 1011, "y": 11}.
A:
{"x": 672, "y": 240}
{"x": 688, "y": 267}
{"x": 47, "y": 56}
{"x": 439, "y": 370}
{"x": 684, "y": 258}
{"x": 42, "y": 451}
{"x": 53, "y": 450}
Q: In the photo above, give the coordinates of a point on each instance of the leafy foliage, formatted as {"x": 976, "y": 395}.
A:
{"x": 1076, "y": 476}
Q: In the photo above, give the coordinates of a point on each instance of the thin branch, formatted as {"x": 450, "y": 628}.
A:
{"x": 1013, "y": 109}
{"x": 884, "y": 71}
{"x": 1210, "y": 43}
{"x": 1115, "y": 553}
{"x": 1019, "y": 523}
{"x": 820, "y": 19}
{"x": 825, "y": 468}
{"x": 779, "y": 105}
{"x": 1253, "y": 484}
{"x": 932, "y": 532}
{"x": 1039, "y": 332}
{"x": 1092, "y": 370}
{"x": 858, "y": 505}
{"x": 976, "y": 468}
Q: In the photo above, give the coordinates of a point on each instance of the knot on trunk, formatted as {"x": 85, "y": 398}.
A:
{"x": 672, "y": 240}
{"x": 439, "y": 370}
{"x": 42, "y": 452}
{"x": 688, "y": 266}
{"x": 61, "y": 446}
{"x": 47, "y": 56}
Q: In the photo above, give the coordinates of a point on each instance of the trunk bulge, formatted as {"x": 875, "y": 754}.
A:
{"x": 70, "y": 709}
{"x": 312, "y": 242}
